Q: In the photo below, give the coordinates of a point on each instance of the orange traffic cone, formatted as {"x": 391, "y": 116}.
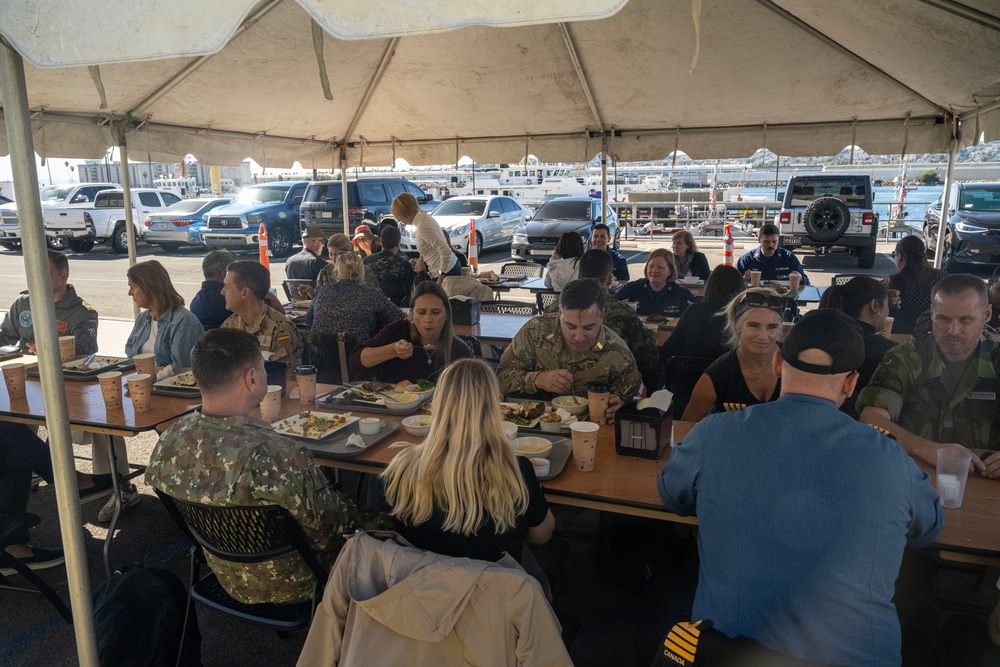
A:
{"x": 264, "y": 252}
{"x": 473, "y": 246}
{"x": 727, "y": 253}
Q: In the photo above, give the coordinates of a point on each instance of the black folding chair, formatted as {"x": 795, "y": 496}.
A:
{"x": 544, "y": 299}
{"x": 11, "y": 525}
{"x": 844, "y": 278}
{"x": 329, "y": 353}
{"x": 291, "y": 287}
{"x": 245, "y": 535}
{"x": 507, "y": 308}
{"x": 529, "y": 269}
{"x": 682, "y": 374}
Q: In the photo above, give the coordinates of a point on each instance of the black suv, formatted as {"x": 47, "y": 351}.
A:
{"x": 368, "y": 200}
{"x": 972, "y": 233}
{"x": 827, "y": 211}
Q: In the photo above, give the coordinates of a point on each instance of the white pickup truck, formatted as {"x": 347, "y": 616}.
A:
{"x": 59, "y": 202}
{"x": 104, "y": 222}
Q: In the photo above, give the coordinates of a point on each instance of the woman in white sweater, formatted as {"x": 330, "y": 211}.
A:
{"x": 433, "y": 249}
{"x": 564, "y": 265}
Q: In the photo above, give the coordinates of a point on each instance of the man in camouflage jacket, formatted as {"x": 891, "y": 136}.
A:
{"x": 941, "y": 390}
{"x": 622, "y": 319}
{"x": 222, "y": 456}
{"x": 244, "y": 289}
{"x": 562, "y": 353}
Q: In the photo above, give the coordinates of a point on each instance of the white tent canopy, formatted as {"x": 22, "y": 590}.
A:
{"x": 233, "y": 79}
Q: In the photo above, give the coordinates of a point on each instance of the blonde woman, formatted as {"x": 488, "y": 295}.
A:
{"x": 434, "y": 250}
{"x": 462, "y": 491}
{"x": 348, "y": 305}
{"x": 742, "y": 376}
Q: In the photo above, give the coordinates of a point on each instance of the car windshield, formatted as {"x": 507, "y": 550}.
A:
{"x": 470, "y": 207}
{"x": 55, "y": 193}
{"x": 980, "y": 199}
{"x": 851, "y": 191}
{"x": 564, "y": 210}
{"x": 185, "y": 206}
{"x": 261, "y": 196}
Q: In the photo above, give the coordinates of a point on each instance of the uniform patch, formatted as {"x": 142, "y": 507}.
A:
{"x": 880, "y": 375}
{"x": 24, "y": 319}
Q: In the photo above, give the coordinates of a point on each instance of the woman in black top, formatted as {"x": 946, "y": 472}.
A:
{"x": 867, "y": 301}
{"x": 701, "y": 331}
{"x": 463, "y": 492}
{"x": 689, "y": 260}
{"x": 913, "y": 281}
{"x": 742, "y": 376}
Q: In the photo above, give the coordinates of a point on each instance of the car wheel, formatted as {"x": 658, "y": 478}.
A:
{"x": 170, "y": 247}
{"x": 55, "y": 243}
{"x": 83, "y": 245}
{"x": 479, "y": 244}
{"x": 119, "y": 239}
{"x": 279, "y": 240}
{"x": 826, "y": 219}
{"x": 866, "y": 257}
{"x": 11, "y": 245}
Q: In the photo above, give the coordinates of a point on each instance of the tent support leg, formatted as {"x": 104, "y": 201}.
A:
{"x": 943, "y": 220}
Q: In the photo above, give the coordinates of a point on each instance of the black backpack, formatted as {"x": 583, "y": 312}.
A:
{"x": 139, "y": 620}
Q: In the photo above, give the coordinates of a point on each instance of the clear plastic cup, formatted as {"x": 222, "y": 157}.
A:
{"x": 952, "y": 473}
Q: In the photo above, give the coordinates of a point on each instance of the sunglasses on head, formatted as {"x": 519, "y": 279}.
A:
{"x": 758, "y": 300}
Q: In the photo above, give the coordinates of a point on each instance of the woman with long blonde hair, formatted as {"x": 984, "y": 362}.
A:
{"x": 462, "y": 491}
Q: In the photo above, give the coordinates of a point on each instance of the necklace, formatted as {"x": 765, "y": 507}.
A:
{"x": 756, "y": 373}
{"x": 429, "y": 352}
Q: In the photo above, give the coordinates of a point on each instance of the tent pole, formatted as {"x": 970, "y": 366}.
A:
{"x": 945, "y": 204}
{"x": 343, "y": 189}
{"x": 604, "y": 178}
{"x": 127, "y": 200}
{"x": 29, "y": 212}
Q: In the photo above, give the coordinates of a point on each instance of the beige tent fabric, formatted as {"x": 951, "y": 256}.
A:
{"x": 794, "y": 76}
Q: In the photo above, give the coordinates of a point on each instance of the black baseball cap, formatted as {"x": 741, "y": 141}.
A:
{"x": 831, "y": 331}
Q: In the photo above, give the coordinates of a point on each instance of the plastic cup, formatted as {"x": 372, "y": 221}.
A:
{"x": 305, "y": 377}
{"x": 140, "y": 388}
{"x": 270, "y": 406}
{"x": 952, "y": 473}
{"x": 14, "y": 377}
{"x": 145, "y": 363}
{"x": 67, "y": 348}
{"x": 887, "y": 329}
{"x": 584, "y": 445}
{"x": 754, "y": 278}
{"x": 111, "y": 389}
{"x": 598, "y": 397}
{"x": 794, "y": 278}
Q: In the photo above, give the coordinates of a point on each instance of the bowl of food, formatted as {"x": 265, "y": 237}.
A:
{"x": 550, "y": 422}
{"x": 421, "y": 388}
{"x": 417, "y": 425}
{"x": 401, "y": 401}
{"x": 531, "y": 447}
{"x": 541, "y": 466}
{"x": 509, "y": 429}
{"x": 575, "y": 405}
{"x": 369, "y": 426}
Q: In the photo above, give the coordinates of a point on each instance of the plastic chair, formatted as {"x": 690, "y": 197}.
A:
{"x": 507, "y": 308}
{"x": 291, "y": 287}
{"x": 329, "y": 354}
{"x": 529, "y": 269}
{"x": 11, "y": 525}
{"x": 545, "y": 298}
{"x": 244, "y": 535}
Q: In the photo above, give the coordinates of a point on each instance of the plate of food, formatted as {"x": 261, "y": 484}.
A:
{"x": 422, "y": 388}
{"x": 523, "y": 413}
{"x": 777, "y": 287}
{"x": 300, "y": 305}
{"x": 86, "y": 368}
{"x": 182, "y": 384}
{"x": 313, "y": 425}
{"x": 371, "y": 397}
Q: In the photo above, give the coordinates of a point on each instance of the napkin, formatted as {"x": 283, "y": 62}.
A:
{"x": 354, "y": 440}
{"x": 565, "y": 417}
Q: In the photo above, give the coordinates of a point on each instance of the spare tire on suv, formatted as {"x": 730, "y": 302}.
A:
{"x": 826, "y": 219}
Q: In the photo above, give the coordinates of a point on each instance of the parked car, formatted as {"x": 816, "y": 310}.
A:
{"x": 179, "y": 224}
{"x": 104, "y": 222}
{"x": 60, "y": 203}
{"x": 274, "y": 205}
{"x": 537, "y": 239}
{"x": 972, "y": 231}
{"x": 495, "y": 217}
{"x": 368, "y": 202}
{"x": 830, "y": 212}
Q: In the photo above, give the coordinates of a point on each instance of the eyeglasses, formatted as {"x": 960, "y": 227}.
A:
{"x": 894, "y": 253}
{"x": 758, "y": 300}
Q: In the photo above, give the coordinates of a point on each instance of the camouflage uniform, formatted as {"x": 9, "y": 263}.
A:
{"x": 74, "y": 317}
{"x": 329, "y": 275}
{"x": 539, "y": 346}
{"x": 241, "y": 461}
{"x": 913, "y": 385}
{"x": 274, "y": 333}
{"x": 621, "y": 319}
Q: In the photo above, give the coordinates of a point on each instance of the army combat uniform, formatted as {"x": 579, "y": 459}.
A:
{"x": 274, "y": 333}
{"x": 913, "y": 385}
{"x": 242, "y": 461}
{"x": 74, "y": 317}
{"x": 621, "y": 319}
{"x": 539, "y": 346}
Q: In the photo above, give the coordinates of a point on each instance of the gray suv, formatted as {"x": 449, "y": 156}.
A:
{"x": 830, "y": 212}
{"x": 368, "y": 201}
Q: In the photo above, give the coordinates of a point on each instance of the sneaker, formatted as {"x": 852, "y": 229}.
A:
{"x": 130, "y": 497}
{"x": 40, "y": 559}
{"x": 36, "y": 480}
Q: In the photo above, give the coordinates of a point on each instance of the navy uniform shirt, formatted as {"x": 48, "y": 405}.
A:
{"x": 775, "y": 267}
